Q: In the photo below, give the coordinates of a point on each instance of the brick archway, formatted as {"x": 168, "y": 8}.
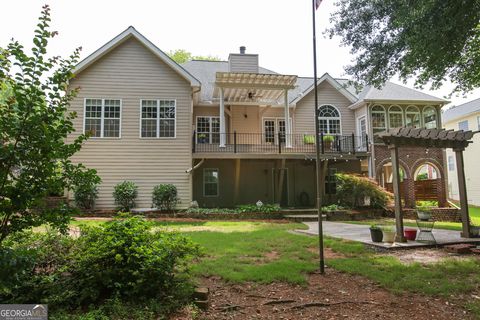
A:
{"x": 430, "y": 189}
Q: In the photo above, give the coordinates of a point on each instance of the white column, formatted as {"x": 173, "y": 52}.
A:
{"x": 222, "y": 121}
{"x": 288, "y": 130}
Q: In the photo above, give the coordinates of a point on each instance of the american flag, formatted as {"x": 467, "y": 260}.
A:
{"x": 317, "y": 4}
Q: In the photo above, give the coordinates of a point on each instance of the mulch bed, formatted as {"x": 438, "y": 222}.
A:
{"x": 335, "y": 295}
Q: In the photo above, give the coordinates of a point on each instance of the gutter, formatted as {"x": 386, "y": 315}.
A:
{"x": 189, "y": 171}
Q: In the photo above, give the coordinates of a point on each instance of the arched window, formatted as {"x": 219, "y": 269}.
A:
{"x": 329, "y": 120}
{"x": 430, "y": 117}
{"x": 395, "y": 117}
{"x": 412, "y": 117}
{"x": 379, "y": 122}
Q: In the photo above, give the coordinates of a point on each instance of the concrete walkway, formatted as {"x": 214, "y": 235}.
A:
{"x": 361, "y": 233}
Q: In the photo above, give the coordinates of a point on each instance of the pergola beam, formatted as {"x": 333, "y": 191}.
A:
{"x": 428, "y": 138}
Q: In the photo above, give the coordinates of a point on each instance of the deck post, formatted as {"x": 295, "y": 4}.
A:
{"x": 194, "y": 141}
{"x": 222, "y": 120}
{"x": 288, "y": 129}
{"x": 462, "y": 191}
{"x": 235, "y": 141}
{"x": 353, "y": 143}
{"x": 236, "y": 189}
{"x": 399, "y": 237}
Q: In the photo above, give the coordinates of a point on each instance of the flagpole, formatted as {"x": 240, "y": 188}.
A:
{"x": 317, "y": 141}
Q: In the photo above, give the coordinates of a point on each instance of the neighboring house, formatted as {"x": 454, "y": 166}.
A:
{"x": 217, "y": 129}
{"x": 464, "y": 117}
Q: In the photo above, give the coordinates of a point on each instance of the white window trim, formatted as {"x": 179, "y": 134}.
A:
{"x": 478, "y": 123}
{"x": 464, "y": 121}
{"x": 158, "y": 120}
{"x": 218, "y": 183}
{"x": 210, "y": 123}
{"x": 384, "y": 112}
{"x": 102, "y": 118}
{"x": 418, "y": 112}
{"x": 436, "y": 116}
{"x": 332, "y": 118}
{"x": 401, "y": 112}
{"x": 277, "y": 127}
{"x": 360, "y": 118}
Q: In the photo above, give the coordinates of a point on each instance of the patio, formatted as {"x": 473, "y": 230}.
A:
{"x": 361, "y": 233}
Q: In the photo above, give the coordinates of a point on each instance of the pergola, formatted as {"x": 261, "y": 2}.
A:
{"x": 428, "y": 138}
{"x": 253, "y": 88}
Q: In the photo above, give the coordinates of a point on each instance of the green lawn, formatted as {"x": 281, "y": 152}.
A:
{"x": 266, "y": 252}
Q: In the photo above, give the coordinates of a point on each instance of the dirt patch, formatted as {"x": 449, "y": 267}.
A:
{"x": 328, "y": 253}
{"x": 332, "y": 296}
{"x": 428, "y": 256}
{"x": 271, "y": 256}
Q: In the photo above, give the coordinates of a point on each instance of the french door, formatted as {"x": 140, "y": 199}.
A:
{"x": 272, "y": 127}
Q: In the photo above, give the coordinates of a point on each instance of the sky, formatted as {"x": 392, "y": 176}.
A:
{"x": 280, "y": 31}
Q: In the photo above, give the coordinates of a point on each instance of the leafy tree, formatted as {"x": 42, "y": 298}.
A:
{"x": 182, "y": 56}
{"x": 34, "y": 125}
{"x": 429, "y": 40}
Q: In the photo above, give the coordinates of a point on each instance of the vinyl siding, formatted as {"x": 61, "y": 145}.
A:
{"x": 470, "y": 159}
{"x": 243, "y": 63}
{"x": 130, "y": 72}
{"x": 327, "y": 94}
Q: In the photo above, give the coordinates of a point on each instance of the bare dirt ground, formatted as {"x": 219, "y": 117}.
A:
{"x": 428, "y": 256}
{"x": 332, "y": 296}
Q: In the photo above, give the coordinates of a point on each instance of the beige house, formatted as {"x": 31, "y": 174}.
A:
{"x": 465, "y": 117}
{"x": 218, "y": 130}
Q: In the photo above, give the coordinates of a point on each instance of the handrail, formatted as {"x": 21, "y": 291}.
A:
{"x": 275, "y": 143}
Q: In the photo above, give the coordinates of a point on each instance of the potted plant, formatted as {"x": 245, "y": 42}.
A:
{"x": 424, "y": 213}
{"x": 410, "y": 234}
{"x": 328, "y": 140}
{"x": 308, "y": 139}
{"x": 202, "y": 138}
{"x": 376, "y": 233}
{"x": 388, "y": 234}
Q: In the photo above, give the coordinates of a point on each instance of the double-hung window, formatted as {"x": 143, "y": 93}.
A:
{"x": 102, "y": 117}
{"x": 158, "y": 119}
{"x": 210, "y": 182}
{"x": 208, "y": 129}
{"x": 463, "y": 125}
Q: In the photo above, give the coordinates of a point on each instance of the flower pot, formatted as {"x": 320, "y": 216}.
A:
{"x": 388, "y": 236}
{"x": 376, "y": 234}
{"x": 410, "y": 234}
{"x": 424, "y": 215}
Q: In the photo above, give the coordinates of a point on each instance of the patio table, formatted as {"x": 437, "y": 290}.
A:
{"x": 426, "y": 228}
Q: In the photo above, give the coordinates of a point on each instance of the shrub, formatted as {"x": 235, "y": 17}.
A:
{"x": 353, "y": 189}
{"x": 123, "y": 260}
{"x": 125, "y": 194}
{"x": 86, "y": 189}
{"x": 164, "y": 197}
{"x": 328, "y": 138}
{"x": 264, "y": 208}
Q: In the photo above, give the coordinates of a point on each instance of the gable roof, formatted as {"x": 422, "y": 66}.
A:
{"x": 460, "y": 111}
{"x": 128, "y": 33}
{"x": 332, "y": 81}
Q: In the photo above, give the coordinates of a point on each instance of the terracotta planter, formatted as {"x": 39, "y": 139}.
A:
{"x": 410, "y": 234}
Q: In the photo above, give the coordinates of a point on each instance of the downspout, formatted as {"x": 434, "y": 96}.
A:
{"x": 189, "y": 171}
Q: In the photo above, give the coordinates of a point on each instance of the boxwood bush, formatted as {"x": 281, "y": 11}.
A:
{"x": 125, "y": 194}
{"x": 86, "y": 189}
{"x": 353, "y": 189}
{"x": 165, "y": 197}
